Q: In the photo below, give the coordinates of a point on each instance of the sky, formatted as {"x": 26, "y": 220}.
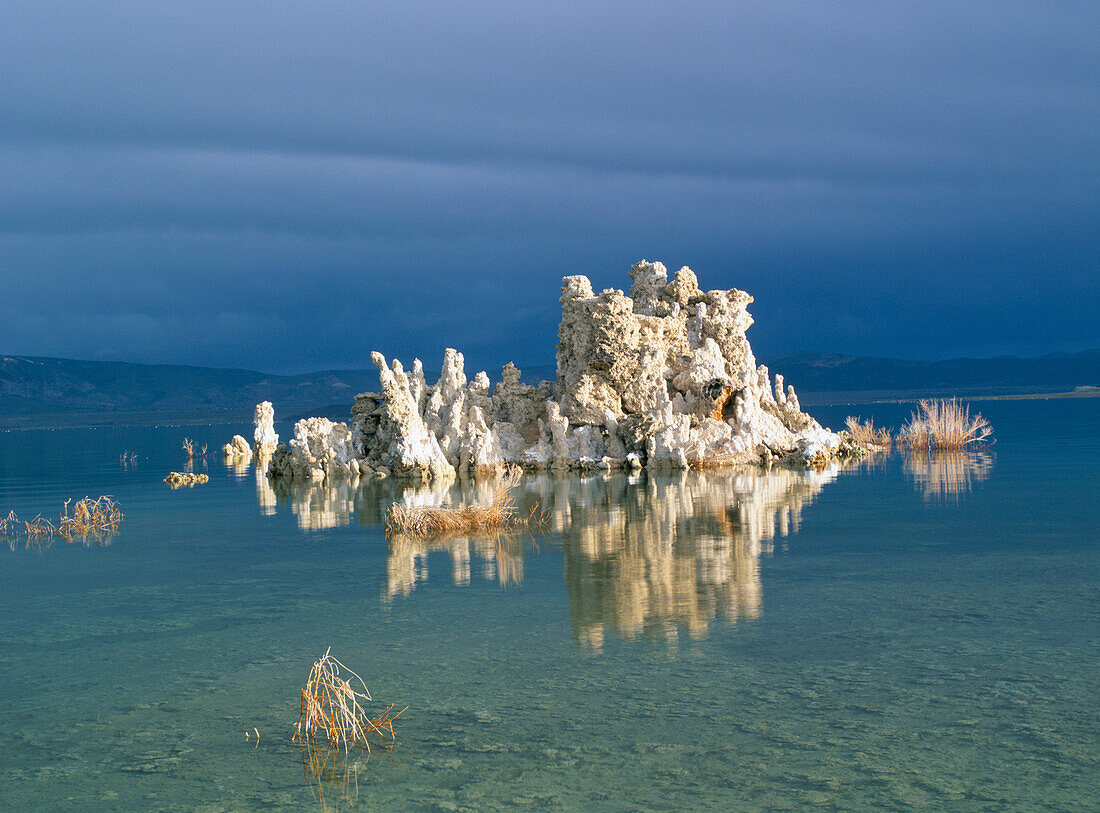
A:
{"x": 286, "y": 186}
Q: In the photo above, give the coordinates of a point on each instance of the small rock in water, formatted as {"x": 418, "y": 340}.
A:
{"x": 176, "y": 479}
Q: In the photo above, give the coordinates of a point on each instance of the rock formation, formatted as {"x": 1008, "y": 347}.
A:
{"x": 237, "y": 449}
{"x": 265, "y": 437}
{"x": 175, "y": 479}
{"x": 319, "y": 449}
{"x": 663, "y": 378}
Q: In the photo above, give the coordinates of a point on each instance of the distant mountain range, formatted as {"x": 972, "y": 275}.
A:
{"x": 32, "y": 386}
{"x": 819, "y": 377}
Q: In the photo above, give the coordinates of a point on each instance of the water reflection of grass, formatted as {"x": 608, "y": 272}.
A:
{"x": 948, "y": 474}
{"x": 332, "y": 774}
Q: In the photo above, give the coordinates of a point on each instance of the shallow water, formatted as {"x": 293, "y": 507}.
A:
{"x": 899, "y": 635}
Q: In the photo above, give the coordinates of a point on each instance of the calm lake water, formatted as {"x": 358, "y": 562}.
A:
{"x": 898, "y": 635}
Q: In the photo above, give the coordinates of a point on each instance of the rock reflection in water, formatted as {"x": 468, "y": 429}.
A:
{"x": 498, "y": 558}
{"x": 316, "y": 506}
{"x": 671, "y": 553}
{"x": 946, "y": 475}
{"x": 238, "y": 466}
{"x": 646, "y": 555}
{"x": 655, "y": 555}
{"x": 265, "y": 494}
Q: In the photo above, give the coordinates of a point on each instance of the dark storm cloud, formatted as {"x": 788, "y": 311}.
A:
{"x": 283, "y": 185}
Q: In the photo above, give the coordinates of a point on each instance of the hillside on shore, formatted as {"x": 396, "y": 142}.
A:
{"x": 70, "y": 391}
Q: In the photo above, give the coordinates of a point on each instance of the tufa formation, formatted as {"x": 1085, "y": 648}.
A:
{"x": 662, "y": 378}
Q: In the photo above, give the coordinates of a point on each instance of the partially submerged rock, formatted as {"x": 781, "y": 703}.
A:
{"x": 238, "y": 448}
{"x": 176, "y": 479}
{"x": 663, "y": 378}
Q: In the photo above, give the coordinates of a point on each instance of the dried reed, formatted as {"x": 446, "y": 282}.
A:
{"x": 39, "y": 529}
{"x": 331, "y": 706}
{"x": 90, "y": 518}
{"x": 441, "y": 520}
{"x": 940, "y": 425}
{"x": 866, "y": 434}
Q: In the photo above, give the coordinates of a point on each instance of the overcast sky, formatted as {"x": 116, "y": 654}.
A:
{"x": 287, "y": 186}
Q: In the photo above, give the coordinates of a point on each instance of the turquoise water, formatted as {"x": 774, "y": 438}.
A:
{"x": 899, "y": 635}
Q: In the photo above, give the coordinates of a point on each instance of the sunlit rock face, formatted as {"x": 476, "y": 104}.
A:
{"x": 431, "y": 432}
{"x": 319, "y": 449}
{"x": 265, "y": 438}
{"x": 671, "y": 366}
{"x": 237, "y": 450}
{"x": 662, "y": 378}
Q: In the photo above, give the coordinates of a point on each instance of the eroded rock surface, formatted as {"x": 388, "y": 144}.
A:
{"x": 662, "y": 378}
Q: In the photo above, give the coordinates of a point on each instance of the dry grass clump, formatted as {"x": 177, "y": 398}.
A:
{"x": 442, "y": 520}
{"x": 97, "y": 518}
{"x": 332, "y": 718}
{"x": 943, "y": 425}
{"x": 331, "y": 706}
{"x": 867, "y": 434}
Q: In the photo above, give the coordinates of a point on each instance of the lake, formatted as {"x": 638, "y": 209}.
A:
{"x": 902, "y": 634}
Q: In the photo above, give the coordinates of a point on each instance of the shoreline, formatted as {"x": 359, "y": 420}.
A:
{"x": 78, "y": 419}
{"x": 873, "y": 397}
